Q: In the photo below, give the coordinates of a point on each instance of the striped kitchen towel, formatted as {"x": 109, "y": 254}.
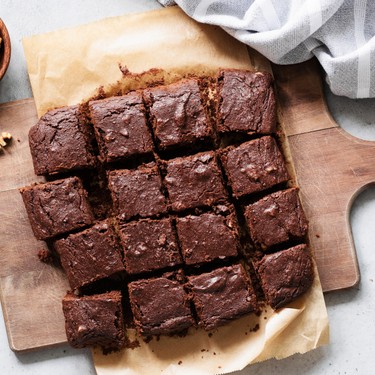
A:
{"x": 340, "y": 33}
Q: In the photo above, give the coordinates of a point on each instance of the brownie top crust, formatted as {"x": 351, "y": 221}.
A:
{"x": 208, "y": 237}
{"x": 194, "y": 181}
{"x": 149, "y": 245}
{"x": 57, "y": 207}
{"x": 177, "y": 114}
{"x": 160, "y": 306}
{"x": 60, "y": 142}
{"x": 285, "y": 275}
{"x": 276, "y": 218}
{"x": 246, "y": 102}
{"x": 95, "y": 320}
{"x": 137, "y": 193}
{"x": 222, "y": 295}
{"x": 120, "y": 127}
{"x": 254, "y": 166}
{"x": 90, "y": 255}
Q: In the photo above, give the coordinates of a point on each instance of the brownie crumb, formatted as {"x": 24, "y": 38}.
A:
{"x": 255, "y": 328}
{"x": 45, "y": 256}
{"x": 180, "y": 362}
{"x": 132, "y": 344}
{"x": 147, "y": 339}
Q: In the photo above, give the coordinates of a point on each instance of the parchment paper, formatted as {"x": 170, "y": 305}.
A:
{"x": 68, "y": 66}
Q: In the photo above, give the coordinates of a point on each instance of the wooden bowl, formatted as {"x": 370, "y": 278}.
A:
{"x": 4, "y": 49}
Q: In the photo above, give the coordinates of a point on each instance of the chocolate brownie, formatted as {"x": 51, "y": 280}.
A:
{"x": 285, "y": 275}
{"x": 208, "y": 237}
{"x": 276, "y": 218}
{"x": 149, "y": 245}
{"x": 160, "y": 306}
{"x": 245, "y": 102}
{"x": 120, "y": 127}
{"x": 254, "y": 166}
{"x": 222, "y": 295}
{"x": 194, "y": 181}
{"x": 137, "y": 193}
{"x": 90, "y": 255}
{"x": 95, "y": 320}
{"x": 57, "y": 207}
{"x": 60, "y": 142}
{"x": 177, "y": 114}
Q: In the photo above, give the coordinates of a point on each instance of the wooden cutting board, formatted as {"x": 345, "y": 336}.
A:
{"x": 332, "y": 167}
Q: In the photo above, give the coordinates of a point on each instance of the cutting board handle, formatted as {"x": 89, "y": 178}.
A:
{"x": 332, "y": 168}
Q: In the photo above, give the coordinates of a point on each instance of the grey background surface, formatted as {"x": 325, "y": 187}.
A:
{"x": 351, "y": 312}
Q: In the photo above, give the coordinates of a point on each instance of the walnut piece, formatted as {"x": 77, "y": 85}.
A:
{"x": 5, "y": 137}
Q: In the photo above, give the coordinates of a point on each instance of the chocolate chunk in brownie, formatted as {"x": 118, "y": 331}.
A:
{"x": 120, "y": 127}
{"x": 285, "y": 275}
{"x": 149, "y": 245}
{"x": 95, "y": 320}
{"x": 61, "y": 142}
{"x": 177, "y": 114}
{"x": 208, "y": 237}
{"x": 276, "y": 218}
{"x": 160, "y": 306}
{"x": 57, "y": 207}
{"x": 254, "y": 166}
{"x": 137, "y": 193}
{"x": 194, "y": 181}
{"x": 245, "y": 102}
{"x": 222, "y": 295}
{"x": 90, "y": 255}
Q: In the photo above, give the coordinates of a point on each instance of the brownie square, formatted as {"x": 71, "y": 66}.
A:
{"x": 90, "y": 255}
{"x": 285, "y": 275}
{"x": 208, "y": 237}
{"x": 194, "y": 181}
{"x": 254, "y": 166}
{"x": 149, "y": 245}
{"x": 245, "y": 102}
{"x": 95, "y": 320}
{"x": 61, "y": 142}
{"x": 57, "y": 207}
{"x": 177, "y": 114}
{"x": 137, "y": 193}
{"x": 276, "y": 218}
{"x": 160, "y": 306}
{"x": 120, "y": 127}
{"x": 222, "y": 295}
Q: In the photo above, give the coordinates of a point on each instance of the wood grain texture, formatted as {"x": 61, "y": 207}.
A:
{"x": 331, "y": 166}
{"x": 15, "y": 160}
{"x": 30, "y": 290}
{"x": 301, "y": 98}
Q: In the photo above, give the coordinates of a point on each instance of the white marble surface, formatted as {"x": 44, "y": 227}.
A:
{"x": 351, "y": 312}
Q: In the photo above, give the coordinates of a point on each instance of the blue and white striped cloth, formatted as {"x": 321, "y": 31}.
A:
{"x": 340, "y": 33}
